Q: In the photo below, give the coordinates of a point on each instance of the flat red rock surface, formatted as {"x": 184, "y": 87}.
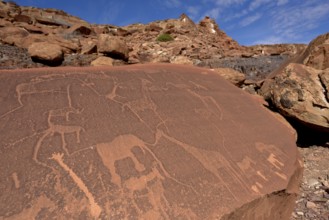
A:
{"x": 140, "y": 142}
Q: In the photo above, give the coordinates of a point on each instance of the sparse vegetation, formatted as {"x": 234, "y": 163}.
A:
{"x": 165, "y": 38}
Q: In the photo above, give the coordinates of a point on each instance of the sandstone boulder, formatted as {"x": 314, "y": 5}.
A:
{"x": 5, "y": 23}
{"x": 231, "y": 75}
{"x": 79, "y": 29}
{"x": 317, "y": 53}
{"x": 102, "y": 61}
{"x": 47, "y": 53}
{"x": 140, "y": 142}
{"x": 23, "y": 18}
{"x": 17, "y": 32}
{"x": 301, "y": 92}
{"x": 88, "y": 46}
{"x": 71, "y": 45}
{"x": 112, "y": 46}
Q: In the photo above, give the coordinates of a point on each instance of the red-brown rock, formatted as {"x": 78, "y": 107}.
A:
{"x": 102, "y": 61}
{"x": 300, "y": 92}
{"x": 317, "y": 53}
{"x": 17, "y": 32}
{"x": 44, "y": 52}
{"x": 112, "y": 46}
{"x": 79, "y": 29}
{"x": 231, "y": 75}
{"x": 140, "y": 142}
{"x": 88, "y": 46}
{"x": 23, "y": 18}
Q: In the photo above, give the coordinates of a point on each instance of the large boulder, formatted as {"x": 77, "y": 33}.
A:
{"x": 47, "y": 53}
{"x": 112, "y": 46}
{"x": 79, "y": 29}
{"x": 301, "y": 92}
{"x": 317, "y": 53}
{"x": 12, "y": 35}
{"x": 140, "y": 142}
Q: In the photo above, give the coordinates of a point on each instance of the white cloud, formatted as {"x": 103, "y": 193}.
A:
{"x": 292, "y": 22}
{"x": 269, "y": 40}
{"x": 249, "y": 20}
{"x": 193, "y": 11}
{"x": 213, "y": 13}
{"x": 257, "y": 3}
{"x": 228, "y": 2}
{"x": 282, "y": 2}
{"x": 172, "y": 3}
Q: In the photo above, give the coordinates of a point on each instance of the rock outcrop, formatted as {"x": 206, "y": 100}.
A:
{"x": 23, "y": 26}
{"x": 193, "y": 44}
{"x": 300, "y": 91}
{"x": 142, "y": 142}
{"x": 317, "y": 53}
{"x": 277, "y": 49}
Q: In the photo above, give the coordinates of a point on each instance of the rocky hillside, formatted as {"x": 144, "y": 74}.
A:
{"x": 53, "y": 37}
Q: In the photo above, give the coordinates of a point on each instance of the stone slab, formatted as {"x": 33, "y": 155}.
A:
{"x": 140, "y": 142}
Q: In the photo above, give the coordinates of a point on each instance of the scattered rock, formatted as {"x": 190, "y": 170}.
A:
{"x": 112, "y": 46}
{"x": 313, "y": 182}
{"x": 254, "y": 68}
{"x": 102, "y": 61}
{"x": 300, "y": 213}
{"x": 310, "y": 205}
{"x": 12, "y": 57}
{"x": 181, "y": 60}
{"x": 277, "y": 49}
{"x": 46, "y": 53}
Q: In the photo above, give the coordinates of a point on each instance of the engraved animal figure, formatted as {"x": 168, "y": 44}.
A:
{"x": 58, "y": 128}
{"x": 152, "y": 182}
{"x": 51, "y": 131}
{"x": 121, "y": 148}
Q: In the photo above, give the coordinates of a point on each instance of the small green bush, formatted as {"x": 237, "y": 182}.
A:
{"x": 165, "y": 38}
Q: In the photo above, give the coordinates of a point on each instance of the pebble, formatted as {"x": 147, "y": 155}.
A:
{"x": 310, "y": 205}
{"x": 300, "y": 213}
{"x": 313, "y": 182}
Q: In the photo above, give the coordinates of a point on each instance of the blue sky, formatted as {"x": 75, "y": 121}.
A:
{"x": 247, "y": 21}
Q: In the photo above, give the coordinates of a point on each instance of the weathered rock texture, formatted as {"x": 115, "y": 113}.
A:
{"x": 137, "y": 43}
{"x": 300, "y": 91}
{"x": 140, "y": 142}
{"x": 102, "y": 61}
{"x": 231, "y": 75}
{"x": 112, "y": 46}
{"x": 317, "y": 53}
{"x": 43, "y": 52}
